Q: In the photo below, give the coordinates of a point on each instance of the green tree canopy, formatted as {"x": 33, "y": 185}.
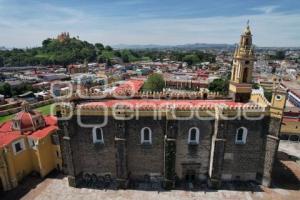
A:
{"x": 99, "y": 46}
{"x": 5, "y": 90}
{"x": 191, "y": 59}
{"x": 155, "y": 83}
{"x": 219, "y": 85}
{"x": 108, "y": 48}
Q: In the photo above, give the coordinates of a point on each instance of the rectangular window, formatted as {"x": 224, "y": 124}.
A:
{"x": 18, "y": 146}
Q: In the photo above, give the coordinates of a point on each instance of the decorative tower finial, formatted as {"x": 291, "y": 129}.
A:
{"x": 247, "y": 30}
{"x": 25, "y": 106}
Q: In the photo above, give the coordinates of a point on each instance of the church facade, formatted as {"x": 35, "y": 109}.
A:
{"x": 171, "y": 140}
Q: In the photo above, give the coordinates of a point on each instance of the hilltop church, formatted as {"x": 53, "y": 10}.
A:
{"x": 168, "y": 139}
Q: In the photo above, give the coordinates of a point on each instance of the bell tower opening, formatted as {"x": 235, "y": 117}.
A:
{"x": 245, "y": 75}
{"x": 247, "y": 42}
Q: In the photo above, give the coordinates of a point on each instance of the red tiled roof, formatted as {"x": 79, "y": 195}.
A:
{"x": 289, "y": 119}
{"x": 149, "y": 104}
{"x": 50, "y": 120}
{"x": 8, "y": 137}
{"x": 130, "y": 86}
{"x": 43, "y": 132}
{"x": 6, "y": 126}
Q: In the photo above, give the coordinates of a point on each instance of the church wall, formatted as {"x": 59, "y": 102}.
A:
{"x": 94, "y": 158}
{"x": 193, "y": 157}
{"x": 144, "y": 159}
{"x": 244, "y": 161}
{"x": 240, "y": 161}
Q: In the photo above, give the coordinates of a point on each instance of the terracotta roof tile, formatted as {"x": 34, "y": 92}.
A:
{"x": 43, "y": 132}
{"x": 130, "y": 86}
{"x": 8, "y": 137}
{"x": 50, "y": 120}
{"x": 6, "y": 126}
{"x": 162, "y": 104}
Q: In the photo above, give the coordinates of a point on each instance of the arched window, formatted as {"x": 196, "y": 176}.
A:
{"x": 194, "y": 134}
{"x": 98, "y": 135}
{"x": 241, "y": 135}
{"x": 146, "y": 135}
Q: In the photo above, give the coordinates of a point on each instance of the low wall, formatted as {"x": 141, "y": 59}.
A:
{"x": 10, "y": 106}
{"x": 19, "y": 108}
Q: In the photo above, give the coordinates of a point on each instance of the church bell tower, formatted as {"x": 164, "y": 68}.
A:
{"x": 243, "y": 61}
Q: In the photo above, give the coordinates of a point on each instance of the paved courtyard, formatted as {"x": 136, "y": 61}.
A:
{"x": 58, "y": 189}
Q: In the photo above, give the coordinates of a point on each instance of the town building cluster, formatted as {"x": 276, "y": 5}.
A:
{"x": 184, "y": 134}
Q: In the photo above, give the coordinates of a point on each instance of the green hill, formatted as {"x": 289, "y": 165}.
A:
{"x": 66, "y": 50}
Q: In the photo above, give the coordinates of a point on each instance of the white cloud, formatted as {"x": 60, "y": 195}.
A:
{"x": 46, "y": 20}
{"x": 266, "y": 9}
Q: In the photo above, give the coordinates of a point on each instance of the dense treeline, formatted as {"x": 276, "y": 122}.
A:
{"x": 9, "y": 91}
{"x": 73, "y": 50}
{"x": 191, "y": 57}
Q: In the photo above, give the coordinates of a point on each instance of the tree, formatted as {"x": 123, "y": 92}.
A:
{"x": 108, "y": 62}
{"x": 255, "y": 86}
{"x": 219, "y": 85}
{"x": 99, "y": 46}
{"x": 1, "y": 62}
{"x": 125, "y": 58}
{"x": 155, "y": 82}
{"x": 46, "y": 42}
{"x": 100, "y": 59}
{"x": 191, "y": 59}
{"x": 280, "y": 55}
{"x": 268, "y": 95}
{"x": 5, "y": 90}
{"x": 108, "y": 48}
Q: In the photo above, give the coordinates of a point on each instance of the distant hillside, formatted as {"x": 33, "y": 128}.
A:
{"x": 184, "y": 46}
{"x": 61, "y": 51}
{"x": 65, "y": 50}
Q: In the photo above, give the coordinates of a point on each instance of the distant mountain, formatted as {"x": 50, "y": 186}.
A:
{"x": 3, "y": 49}
{"x": 140, "y": 46}
{"x": 183, "y": 46}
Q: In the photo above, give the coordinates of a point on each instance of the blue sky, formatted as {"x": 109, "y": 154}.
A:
{"x": 25, "y": 23}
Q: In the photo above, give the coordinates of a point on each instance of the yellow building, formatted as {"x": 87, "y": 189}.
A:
{"x": 290, "y": 128}
{"x": 28, "y": 143}
{"x": 243, "y": 61}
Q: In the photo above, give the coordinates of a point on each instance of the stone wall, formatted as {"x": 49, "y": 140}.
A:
{"x": 93, "y": 158}
{"x": 145, "y": 159}
{"x": 123, "y": 155}
{"x": 244, "y": 161}
{"x": 193, "y": 157}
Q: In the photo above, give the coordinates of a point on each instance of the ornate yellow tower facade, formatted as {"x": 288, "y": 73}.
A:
{"x": 243, "y": 61}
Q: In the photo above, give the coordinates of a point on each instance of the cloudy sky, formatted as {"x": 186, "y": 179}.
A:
{"x": 26, "y": 23}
